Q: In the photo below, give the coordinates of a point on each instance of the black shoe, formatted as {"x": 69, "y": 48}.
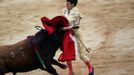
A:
{"x": 92, "y": 73}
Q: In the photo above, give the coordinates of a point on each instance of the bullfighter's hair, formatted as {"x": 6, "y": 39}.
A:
{"x": 73, "y": 2}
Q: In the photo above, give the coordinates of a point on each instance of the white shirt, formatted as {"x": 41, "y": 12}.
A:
{"x": 73, "y": 16}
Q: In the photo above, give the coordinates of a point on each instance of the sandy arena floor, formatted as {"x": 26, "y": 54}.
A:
{"x": 107, "y": 28}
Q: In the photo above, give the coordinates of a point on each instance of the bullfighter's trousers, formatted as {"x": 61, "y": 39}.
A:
{"x": 78, "y": 46}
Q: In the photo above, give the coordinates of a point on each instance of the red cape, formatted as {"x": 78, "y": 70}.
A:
{"x": 68, "y": 46}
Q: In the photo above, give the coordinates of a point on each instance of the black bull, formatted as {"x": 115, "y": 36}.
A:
{"x": 21, "y": 57}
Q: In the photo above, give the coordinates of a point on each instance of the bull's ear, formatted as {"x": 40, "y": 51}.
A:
{"x": 38, "y": 27}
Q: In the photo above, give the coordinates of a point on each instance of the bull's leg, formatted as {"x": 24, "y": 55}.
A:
{"x": 63, "y": 66}
{"x": 2, "y": 67}
{"x": 49, "y": 67}
{"x": 14, "y": 73}
{"x": 2, "y": 71}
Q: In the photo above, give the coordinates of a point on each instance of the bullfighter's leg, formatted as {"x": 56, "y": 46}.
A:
{"x": 82, "y": 55}
{"x": 63, "y": 66}
{"x": 70, "y": 68}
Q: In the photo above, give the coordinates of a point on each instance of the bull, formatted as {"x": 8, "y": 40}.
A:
{"x": 22, "y": 57}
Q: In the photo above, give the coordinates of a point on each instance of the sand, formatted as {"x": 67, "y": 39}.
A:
{"x": 107, "y": 28}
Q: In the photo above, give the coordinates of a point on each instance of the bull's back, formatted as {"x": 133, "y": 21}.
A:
{"x": 17, "y": 57}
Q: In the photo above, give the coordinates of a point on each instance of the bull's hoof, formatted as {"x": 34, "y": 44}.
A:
{"x": 56, "y": 74}
{"x": 63, "y": 66}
